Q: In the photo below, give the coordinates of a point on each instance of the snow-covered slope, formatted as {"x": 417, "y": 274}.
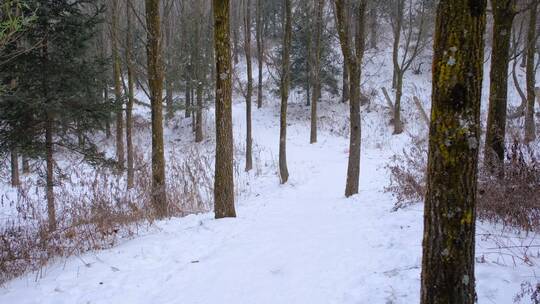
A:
{"x": 297, "y": 243}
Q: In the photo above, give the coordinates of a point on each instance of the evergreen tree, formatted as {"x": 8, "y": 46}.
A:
{"x": 55, "y": 99}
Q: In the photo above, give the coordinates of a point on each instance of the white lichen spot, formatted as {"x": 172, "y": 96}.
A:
{"x": 451, "y": 61}
{"x": 445, "y": 252}
{"x": 473, "y": 143}
{"x": 465, "y": 280}
{"x": 453, "y": 49}
{"x": 223, "y": 76}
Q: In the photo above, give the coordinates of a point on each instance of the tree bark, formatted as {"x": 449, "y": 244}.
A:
{"x": 249, "y": 90}
{"x": 15, "y": 180}
{"x": 129, "y": 105}
{"x": 449, "y": 212}
{"x": 316, "y": 69}
{"x": 353, "y": 52}
{"x": 260, "y": 50}
{"x": 51, "y": 210}
{"x": 117, "y": 87}
{"x": 284, "y": 88}
{"x": 398, "y": 124}
{"x": 398, "y": 20}
{"x": 155, "y": 80}
{"x": 503, "y": 14}
{"x": 530, "y": 129}
{"x": 224, "y": 179}
{"x": 199, "y": 72}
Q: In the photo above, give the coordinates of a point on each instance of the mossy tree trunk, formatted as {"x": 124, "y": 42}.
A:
{"x": 284, "y": 88}
{"x": 155, "y": 81}
{"x": 449, "y": 214}
{"x": 353, "y": 53}
{"x": 503, "y": 14}
{"x": 224, "y": 180}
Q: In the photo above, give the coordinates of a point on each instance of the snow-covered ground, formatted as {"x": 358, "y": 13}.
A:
{"x": 302, "y": 242}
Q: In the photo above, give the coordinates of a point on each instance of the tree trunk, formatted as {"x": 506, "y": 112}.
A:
{"x": 51, "y": 210}
{"x": 530, "y": 129}
{"x": 199, "y": 72}
{"x": 224, "y": 180}
{"x": 15, "y": 180}
{"x": 169, "y": 94}
{"x": 316, "y": 69}
{"x": 346, "y": 87}
{"x": 155, "y": 80}
{"x": 188, "y": 99}
{"x": 260, "y": 50}
{"x": 373, "y": 26}
{"x": 398, "y": 20}
{"x": 249, "y": 91}
{"x": 449, "y": 212}
{"x": 398, "y": 124}
{"x": 129, "y": 106}
{"x": 353, "y": 52}
{"x": 284, "y": 88}
{"x": 117, "y": 87}
{"x": 25, "y": 165}
{"x": 503, "y": 14}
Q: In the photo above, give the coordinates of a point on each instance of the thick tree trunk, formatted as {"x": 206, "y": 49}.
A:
{"x": 503, "y": 14}
{"x": 284, "y": 88}
{"x": 530, "y": 129}
{"x": 449, "y": 212}
{"x": 345, "y": 85}
{"x": 353, "y": 52}
{"x": 169, "y": 94}
{"x": 199, "y": 136}
{"x": 224, "y": 179}
{"x": 316, "y": 69}
{"x": 260, "y": 51}
{"x": 249, "y": 90}
{"x": 15, "y": 180}
{"x": 155, "y": 80}
{"x": 129, "y": 106}
{"x": 117, "y": 87}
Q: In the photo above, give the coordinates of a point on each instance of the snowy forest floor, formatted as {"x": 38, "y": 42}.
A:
{"x": 302, "y": 242}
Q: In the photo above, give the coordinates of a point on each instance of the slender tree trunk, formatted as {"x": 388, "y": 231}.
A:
{"x": 188, "y": 99}
{"x": 284, "y": 88}
{"x": 108, "y": 121}
{"x": 51, "y": 210}
{"x": 449, "y": 212}
{"x": 316, "y": 69}
{"x": 353, "y": 54}
{"x": 530, "y": 129}
{"x": 15, "y": 180}
{"x": 398, "y": 19}
{"x": 249, "y": 91}
{"x": 25, "y": 165}
{"x": 503, "y": 13}
{"x": 169, "y": 94}
{"x": 200, "y": 75}
{"x": 398, "y": 124}
{"x": 260, "y": 51}
{"x": 129, "y": 106}
{"x": 373, "y": 26}
{"x": 155, "y": 80}
{"x": 224, "y": 180}
{"x": 117, "y": 87}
